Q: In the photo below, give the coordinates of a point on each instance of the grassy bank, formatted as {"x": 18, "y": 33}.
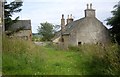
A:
{"x": 24, "y": 58}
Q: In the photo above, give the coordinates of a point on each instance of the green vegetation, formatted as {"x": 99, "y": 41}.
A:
{"x": 36, "y": 37}
{"x": 9, "y": 10}
{"x": 24, "y": 58}
{"x": 0, "y": 52}
{"x": 115, "y": 24}
{"x": 46, "y": 31}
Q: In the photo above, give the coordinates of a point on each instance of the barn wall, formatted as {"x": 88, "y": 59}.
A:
{"x": 25, "y": 34}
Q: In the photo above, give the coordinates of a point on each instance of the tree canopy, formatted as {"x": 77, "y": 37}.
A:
{"x": 9, "y": 10}
{"x": 114, "y": 22}
{"x": 46, "y": 31}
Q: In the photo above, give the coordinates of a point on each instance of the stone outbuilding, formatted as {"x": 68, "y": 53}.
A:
{"x": 87, "y": 30}
{"x": 25, "y": 31}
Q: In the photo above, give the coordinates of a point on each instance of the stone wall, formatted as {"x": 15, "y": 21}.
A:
{"x": 24, "y": 34}
{"x": 73, "y": 38}
{"x": 93, "y": 31}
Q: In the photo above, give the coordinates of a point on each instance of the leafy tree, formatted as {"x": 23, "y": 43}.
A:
{"x": 9, "y": 10}
{"x": 114, "y": 21}
{"x": 46, "y": 30}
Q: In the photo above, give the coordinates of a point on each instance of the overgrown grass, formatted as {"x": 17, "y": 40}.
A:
{"x": 99, "y": 60}
{"x": 0, "y": 51}
{"x": 21, "y": 57}
{"x": 24, "y": 58}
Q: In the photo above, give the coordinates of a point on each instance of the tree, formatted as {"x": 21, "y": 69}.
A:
{"x": 114, "y": 22}
{"x": 9, "y": 10}
{"x": 46, "y": 31}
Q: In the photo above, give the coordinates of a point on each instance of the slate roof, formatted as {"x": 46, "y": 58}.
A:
{"x": 68, "y": 28}
{"x": 72, "y": 25}
{"x": 85, "y": 21}
{"x": 24, "y": 24}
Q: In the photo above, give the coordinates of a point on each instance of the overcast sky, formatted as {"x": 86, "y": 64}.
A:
{"x": 39, "y": 11}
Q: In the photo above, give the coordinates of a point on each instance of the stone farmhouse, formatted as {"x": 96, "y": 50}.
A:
{"x": 25, "y": 33}
{"x": 87, "y": 30}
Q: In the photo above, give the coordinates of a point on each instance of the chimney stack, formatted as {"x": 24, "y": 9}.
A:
{"x": 89, "y": 12}
{"x": 62, "y": 23}
{"x": 70, "y": 19}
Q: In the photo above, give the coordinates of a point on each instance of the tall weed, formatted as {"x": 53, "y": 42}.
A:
{"x": 20, "y": 57}
{"x": 100, "y": 60}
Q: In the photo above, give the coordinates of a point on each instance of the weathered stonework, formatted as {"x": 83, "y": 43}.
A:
{"x": 23, "y": 34}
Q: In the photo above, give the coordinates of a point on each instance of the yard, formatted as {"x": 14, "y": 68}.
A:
{"x": 25, "y": 58}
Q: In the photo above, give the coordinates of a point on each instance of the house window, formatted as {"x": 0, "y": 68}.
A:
{"x": 79, "y": 43}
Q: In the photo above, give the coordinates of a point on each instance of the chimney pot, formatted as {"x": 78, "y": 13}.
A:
{"x": 62, "y": 16}
{"x": 87, "y": 6}
{"x": 68, "y": 16}
{"x": 71, "y": 16}
{"x": 91, "y": 6}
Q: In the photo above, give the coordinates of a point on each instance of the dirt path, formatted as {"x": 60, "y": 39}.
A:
{"x": 40, "y": 43}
